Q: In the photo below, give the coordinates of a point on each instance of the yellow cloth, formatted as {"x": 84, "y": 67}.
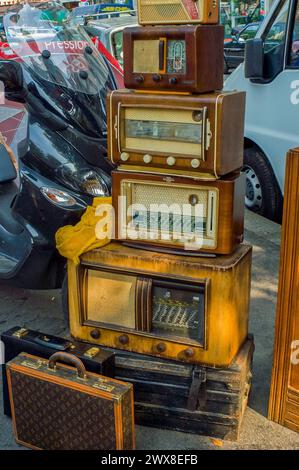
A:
{"x": 93, "y": 231}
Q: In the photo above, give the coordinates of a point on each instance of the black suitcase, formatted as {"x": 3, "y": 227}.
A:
{"x": 17, "y": 340}
{"x": 202, "y": 400}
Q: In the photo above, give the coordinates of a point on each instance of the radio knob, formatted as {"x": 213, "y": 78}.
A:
{"x": 161, "y": 347}
{"x": 195, "y": 163}
{"x": 139, "y": 79}
{"x": 147, "y": 158}
{"x": 124, "y": 156}
{"x": 189, "y": 353}
{"x": 95, "y": 334}
{"x": 193, "y": 199}
{"x": 171, "y": 161}
{"x": 123, "y": 339}
{"x": 173, "y": 81}
{"x": 157, "y": 77}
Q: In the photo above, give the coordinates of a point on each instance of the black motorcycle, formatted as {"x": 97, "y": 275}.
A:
{"x": 62, "y": 81}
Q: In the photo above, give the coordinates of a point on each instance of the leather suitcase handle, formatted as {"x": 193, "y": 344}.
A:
{"x": 69, "y": 359}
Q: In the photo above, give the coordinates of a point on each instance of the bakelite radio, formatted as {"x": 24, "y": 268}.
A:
{"x": 176, "y": 58}
{"x": 192, "y": 309}
{"x": 176, "y": 213}
{"x": 177, "y": 11}
{"x": 184, "y": 134}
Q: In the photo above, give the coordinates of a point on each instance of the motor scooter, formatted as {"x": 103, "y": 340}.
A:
{"x": 62, "y": 80}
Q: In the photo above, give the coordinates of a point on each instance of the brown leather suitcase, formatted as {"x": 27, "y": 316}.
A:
{"x": 55, "y": 407}
{"x": 174, "y": 58}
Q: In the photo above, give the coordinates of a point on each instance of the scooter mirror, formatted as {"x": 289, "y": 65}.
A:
{"x": 11, "y": 76}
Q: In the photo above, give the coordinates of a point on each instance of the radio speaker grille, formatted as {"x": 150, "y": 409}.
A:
{"x": 172, "y": 11}
{"x": 147, "y": 194}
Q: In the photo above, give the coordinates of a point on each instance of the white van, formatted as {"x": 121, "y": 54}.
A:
{"x": 270, "y": 77}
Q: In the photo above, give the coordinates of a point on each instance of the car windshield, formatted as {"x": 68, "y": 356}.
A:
{"x": 52, "y": 47}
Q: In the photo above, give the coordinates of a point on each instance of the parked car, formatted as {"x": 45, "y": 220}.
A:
{"x": 269, "y": 75}
{"x": 234, "y": 48}
{"x": 102, "y": 10}
{"x": 110, "y": 33}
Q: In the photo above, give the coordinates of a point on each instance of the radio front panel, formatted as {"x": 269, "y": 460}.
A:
{"x": 157, "y": 130}
{"x": 164, "y": 308}
{"x": 180, "y": 58}
{"x": 177, "y": 307}
{"x": 151, "y": 12}
{"x": 196, "y": 134}
{"x": 177, "y": 213}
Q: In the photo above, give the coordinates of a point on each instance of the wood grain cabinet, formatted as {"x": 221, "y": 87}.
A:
{"x": 191, "y": 135}
{"x": 175, "y": 58}
{"x": 190, "y": 309}
{"x": 284, "y": 396}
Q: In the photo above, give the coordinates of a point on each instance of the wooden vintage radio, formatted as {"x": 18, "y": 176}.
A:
{"x": 177, "y": 11}
{"x": 177, "y": 58}
{"x": 192, "y": 309}
{"x": 184, "y": 134}
{"x": 204, "y": 216}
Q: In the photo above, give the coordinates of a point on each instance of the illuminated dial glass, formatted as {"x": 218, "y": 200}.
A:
{"x": 178, "y": 312}
{"x": 176, "y": 56}
{"x": 159, "y": 130}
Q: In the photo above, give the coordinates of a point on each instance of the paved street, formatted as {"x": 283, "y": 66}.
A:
{"x": 41, "y": 310}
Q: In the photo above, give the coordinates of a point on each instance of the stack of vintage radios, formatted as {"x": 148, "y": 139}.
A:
{"x": 175, "y": 140}
{"x": 171, "y": 296}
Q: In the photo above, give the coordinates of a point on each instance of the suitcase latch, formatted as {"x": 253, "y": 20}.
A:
{"x": 101, "y": 385}
{"x": 33, "y": 365}
{"x": 92, "y": 352}
{"x": 198, "y": 393}
{"x": 21, "y": 332}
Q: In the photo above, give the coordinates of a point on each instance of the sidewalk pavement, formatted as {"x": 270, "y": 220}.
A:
{"x": 41, "y": 310}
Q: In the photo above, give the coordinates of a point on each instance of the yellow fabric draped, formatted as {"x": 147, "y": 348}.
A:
{"x": 93, "y": 231}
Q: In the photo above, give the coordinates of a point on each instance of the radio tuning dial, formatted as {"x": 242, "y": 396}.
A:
{"x": 173, "y": 81}
{"x": 193, "y": 199}
{"x": 171, "y": 161}
{"x": 139, "y": 79}
{"x": 124, "y": 156}
{"x": 147, "y": 158}
{"x": 156, "y": 77}
{"x": 123, "y": 339}
{"x": 195, "y": 163}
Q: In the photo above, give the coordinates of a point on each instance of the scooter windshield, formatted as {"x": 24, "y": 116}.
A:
{"x": 53, "y": 48}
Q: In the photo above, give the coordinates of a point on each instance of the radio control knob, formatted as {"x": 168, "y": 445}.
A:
{"x": 171, "y": 161}
{"x": 95, "y": 334}
{"x": 147, "y": 158}
{"x": 193, "y": 199}
{"x": 157, "y": 77}
{"x": 195, "y": 163}
{"x": 124, "y": 156}
{"x": 123, "y": 339}
{"x": 161, "y": 347}
{"x": 189, "y": 353}
{"x": 139, "y": 79}
{"x": 173, "y": 81}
